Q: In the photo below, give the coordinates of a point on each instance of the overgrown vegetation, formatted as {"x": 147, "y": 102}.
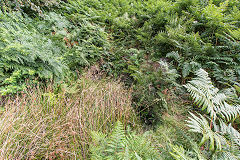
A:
{"x": 71, "y": 70}
{"x": 42, "y": 124}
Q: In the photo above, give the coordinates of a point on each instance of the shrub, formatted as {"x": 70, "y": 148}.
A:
{"x": 154, "y": 83}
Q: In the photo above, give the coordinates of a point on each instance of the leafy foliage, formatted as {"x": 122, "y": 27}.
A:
{"x": 24, "y": 5}
{"x": 46, "y": 50}
{"x": 154, "y": 82}
{"x": 119, "y": 145}
{"x": 222, "y": 139}
{"x": 153, "y": 45}
{"x": 179, "y": 153}
{"x": 25, "y": 54}
{"x": 208, "y": 97}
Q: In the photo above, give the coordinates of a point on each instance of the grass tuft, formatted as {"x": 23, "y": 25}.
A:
{"x": 41, "y": 124}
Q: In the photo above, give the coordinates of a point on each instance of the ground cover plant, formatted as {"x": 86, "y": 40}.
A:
{"x": 43, "y": 124}
{"x": 120, "y": 79}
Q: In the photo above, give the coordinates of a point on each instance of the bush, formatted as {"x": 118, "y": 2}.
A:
{"x": 155, "y": 81}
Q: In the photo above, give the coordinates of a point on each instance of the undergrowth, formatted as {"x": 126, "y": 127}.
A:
{"x": 141, "y": 58}
{"x": 42, "y": 124}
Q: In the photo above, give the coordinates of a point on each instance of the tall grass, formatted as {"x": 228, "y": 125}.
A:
{"x": 40, "y": 124}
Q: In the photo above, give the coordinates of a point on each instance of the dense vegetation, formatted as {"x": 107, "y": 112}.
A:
{"x": 120, "y": 79}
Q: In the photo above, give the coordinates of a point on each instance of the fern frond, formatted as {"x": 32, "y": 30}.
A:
{"x": 208, "y": 97}
{"x": 201, "y": 125}
{"x": 117, "y": 139}
{"x": 179, "y": 153}
{"x": 203, "y": 92}
{"x": 226, "y": 155}
{"x": 123, "y": 146}
{"x": 174, "y": 55}
{"x": 228, "y": 112}
{"x": 231, "y": 132}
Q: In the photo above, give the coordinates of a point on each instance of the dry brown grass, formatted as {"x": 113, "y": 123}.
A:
{"x": 44, "y": 125}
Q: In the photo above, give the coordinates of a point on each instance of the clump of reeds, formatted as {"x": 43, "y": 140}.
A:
{"x": 41, "y": 124}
